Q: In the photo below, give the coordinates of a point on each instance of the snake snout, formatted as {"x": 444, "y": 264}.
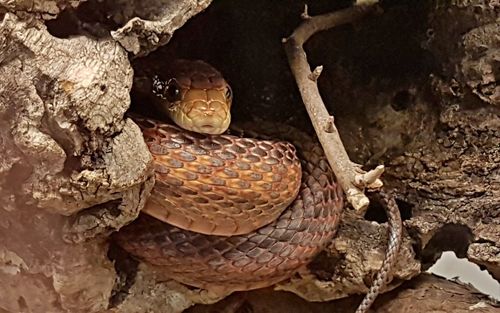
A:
{"x": 203, "y": 116}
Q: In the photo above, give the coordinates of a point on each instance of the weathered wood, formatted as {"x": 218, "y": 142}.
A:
{"x": 66, "y": 148}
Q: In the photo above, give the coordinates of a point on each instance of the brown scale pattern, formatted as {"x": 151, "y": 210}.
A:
{"x": 218, "y": 185}
{"x": 258, "y": 259}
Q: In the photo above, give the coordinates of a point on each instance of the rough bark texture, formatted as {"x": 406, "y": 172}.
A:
{"x": 66, "y": 148}
{"x": 415, "y": 88}
{"x": 427, "y": 293}
{"x": 44, "y": 9}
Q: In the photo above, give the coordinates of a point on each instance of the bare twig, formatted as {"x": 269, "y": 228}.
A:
{"x": 315, "y": 74}
{"x": 369, "y": 179}
{"x": 352, "y": 181}
{"x": 305, "y": 14}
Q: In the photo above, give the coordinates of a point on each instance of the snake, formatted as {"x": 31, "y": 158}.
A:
{"x": 234, "y": 213}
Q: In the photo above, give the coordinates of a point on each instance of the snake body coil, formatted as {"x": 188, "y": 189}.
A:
{"x": 261, "y": 258}
{"x": 286, "y": 215}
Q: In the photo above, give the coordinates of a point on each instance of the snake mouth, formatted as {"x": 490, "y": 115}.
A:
{"x": 215, "y": 127}
{"x": 200, "y": 123}
{"x": 207, "y": 127}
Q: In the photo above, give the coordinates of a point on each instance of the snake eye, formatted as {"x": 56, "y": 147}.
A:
{"x": 229, "y": 93}
{"x": 173, "y": 91}
{"x": 167, "y": 90}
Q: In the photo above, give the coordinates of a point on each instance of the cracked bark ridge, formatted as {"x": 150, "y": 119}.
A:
{"x": 453, "y": 182}
{"x": 45, "y": 9}
{"x": 150, "y": 24}
{"x": 65, "y": 148}
{"x": 474, "y": 66}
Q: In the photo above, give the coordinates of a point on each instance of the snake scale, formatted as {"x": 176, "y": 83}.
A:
{"x": 227, "y": 212}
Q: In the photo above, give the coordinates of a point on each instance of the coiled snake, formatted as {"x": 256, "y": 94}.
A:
{"x": 228, "y": 212}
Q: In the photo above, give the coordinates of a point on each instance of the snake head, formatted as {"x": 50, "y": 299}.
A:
{"x": 195, "y": 96}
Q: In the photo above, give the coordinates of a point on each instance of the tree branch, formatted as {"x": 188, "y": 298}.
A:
{"x": 353, "y": 181}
